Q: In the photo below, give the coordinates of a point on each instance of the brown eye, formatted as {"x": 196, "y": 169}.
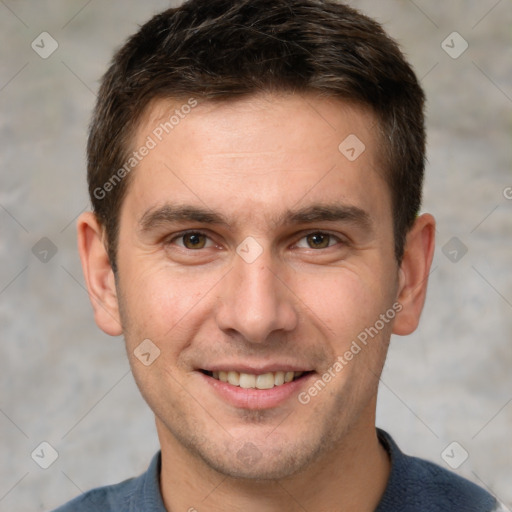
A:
{"x": 194, "y": 240}
{"x": 318, "y": 240}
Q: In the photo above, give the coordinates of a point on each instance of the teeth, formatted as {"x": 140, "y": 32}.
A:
{"x": 250, "y": 381}
{"x": 234, "y": 378}
{"x": 278, "y": 378}
{"x": 247, "y": 380}
{"x": 288, "y": 376}
{"x": 265, "y": 381}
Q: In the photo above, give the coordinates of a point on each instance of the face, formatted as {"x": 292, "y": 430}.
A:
{"x": 253, "y": 250}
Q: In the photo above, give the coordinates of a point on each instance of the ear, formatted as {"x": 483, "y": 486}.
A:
{"x": 414, "y": 272}
{"x": 98, "y": 273}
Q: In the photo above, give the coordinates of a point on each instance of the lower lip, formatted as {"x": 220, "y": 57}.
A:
{"x": 257, "y": 398}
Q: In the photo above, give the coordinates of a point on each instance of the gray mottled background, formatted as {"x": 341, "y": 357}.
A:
{"x": 66, "y": 383}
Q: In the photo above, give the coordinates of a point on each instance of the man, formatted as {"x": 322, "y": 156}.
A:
{"x": 255, "y": 169}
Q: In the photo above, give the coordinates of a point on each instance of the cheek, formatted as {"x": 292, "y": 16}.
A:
{"x": 346, "y": 302}
{"x": 159, "y": 303}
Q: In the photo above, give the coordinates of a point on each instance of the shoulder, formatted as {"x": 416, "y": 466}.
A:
{"x": 416, "y": 484}
{"x": 103, "y": 499}
{"x": 141, "y": 493}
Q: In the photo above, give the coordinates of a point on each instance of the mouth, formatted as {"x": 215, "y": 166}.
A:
{"x": 261, "y": 381}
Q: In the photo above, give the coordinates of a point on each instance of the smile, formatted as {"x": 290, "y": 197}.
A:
{"x": 252, "y": 381}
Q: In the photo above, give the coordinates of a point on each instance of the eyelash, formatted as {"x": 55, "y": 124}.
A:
{"x": 185, "y": 233}
{"x": 338, "y": 239}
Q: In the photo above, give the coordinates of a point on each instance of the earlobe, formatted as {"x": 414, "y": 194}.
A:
{"x": 413, "y": 274}
{"x": 98, "y": 274}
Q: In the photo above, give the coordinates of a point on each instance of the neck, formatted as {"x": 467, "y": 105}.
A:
{"x": 351, "y": 477}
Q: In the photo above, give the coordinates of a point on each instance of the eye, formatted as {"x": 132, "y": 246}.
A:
{"x": 317, "y": 240}
{"x": 192, "y": 240}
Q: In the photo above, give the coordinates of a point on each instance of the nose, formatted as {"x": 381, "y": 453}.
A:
{"x": 256, "y": 304}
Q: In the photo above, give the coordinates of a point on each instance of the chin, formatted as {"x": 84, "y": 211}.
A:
{"x": 266, "y": 468}
{"x": 248, "y": 461}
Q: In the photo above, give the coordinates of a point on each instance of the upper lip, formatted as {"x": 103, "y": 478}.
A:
{"x": 256, "y": 369}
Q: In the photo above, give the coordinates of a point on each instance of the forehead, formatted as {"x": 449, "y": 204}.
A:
{"x": 257, "y": 154}
{"x": 300, "y": 120}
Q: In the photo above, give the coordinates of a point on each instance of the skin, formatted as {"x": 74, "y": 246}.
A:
{"x": 300, "y": 303}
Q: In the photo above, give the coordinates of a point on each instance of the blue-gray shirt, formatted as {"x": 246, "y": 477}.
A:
{"x": 414, "y": 485}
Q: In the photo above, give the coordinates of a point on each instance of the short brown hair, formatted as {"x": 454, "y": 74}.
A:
{"x": 225, "y": 49}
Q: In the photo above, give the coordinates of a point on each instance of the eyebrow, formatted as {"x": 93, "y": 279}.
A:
{"x": 328, "y": 213}
{"x": 168, "y": 214}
